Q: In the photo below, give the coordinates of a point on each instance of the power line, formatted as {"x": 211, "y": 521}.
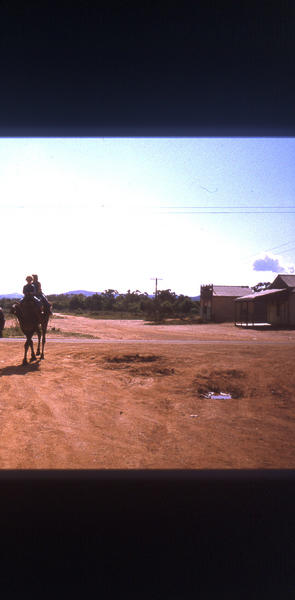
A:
{"x": 231, "y": 212}
{"x": 273, "y": 248}
{"x": 224, "y": 206}
{"x": 280, "y": 246}
{"x": 225, "y": 209}
{"x": 288, "y": 250}
{"x": 243, "y": 260}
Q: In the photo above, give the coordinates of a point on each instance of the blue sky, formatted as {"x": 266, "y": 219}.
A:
{"x": 105, "y": 213}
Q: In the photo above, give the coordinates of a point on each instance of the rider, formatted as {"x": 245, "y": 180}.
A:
{"x": 39, "y": 294}
{"x": 29, "y": 292}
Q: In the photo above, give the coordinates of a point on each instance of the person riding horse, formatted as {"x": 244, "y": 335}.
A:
{"x": 33, "y": 292}
{"x": 29, "y": 292}
{"x": 39, "y": 294}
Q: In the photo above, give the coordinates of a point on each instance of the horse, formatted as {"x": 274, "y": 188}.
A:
{"x": 32, "y": 320}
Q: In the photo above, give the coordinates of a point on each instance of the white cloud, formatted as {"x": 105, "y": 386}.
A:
{"x": 272, "y": 264}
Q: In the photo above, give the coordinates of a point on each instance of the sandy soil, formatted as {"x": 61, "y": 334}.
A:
{"x": 140, "y": 330}
{"x": 121, "y": 403}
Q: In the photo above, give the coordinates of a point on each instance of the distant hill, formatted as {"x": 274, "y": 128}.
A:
{"x": 84, "y": 292}
{"x": 11, "y": 296}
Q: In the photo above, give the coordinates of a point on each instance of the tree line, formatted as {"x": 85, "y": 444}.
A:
{"x": 131, "y": 304}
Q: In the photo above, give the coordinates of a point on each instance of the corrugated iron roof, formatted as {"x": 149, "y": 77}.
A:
{"x": 260, "y": 294}
{"x": 288, "y": 279}
{"x": 231, "y": 291}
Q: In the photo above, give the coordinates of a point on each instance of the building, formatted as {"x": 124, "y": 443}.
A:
{"x": 217, "y": 302}
{"x": 275, "y": 305}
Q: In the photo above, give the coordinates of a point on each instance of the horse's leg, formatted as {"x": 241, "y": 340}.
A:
{"x": 44, "y": 329}
{"x": 33, "y": 355}
{"x": 27, "y": 343}
{"x": 43, "y": 341}
{"x": 39, "y": 340}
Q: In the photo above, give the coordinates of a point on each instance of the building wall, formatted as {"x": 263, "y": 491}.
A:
{"x": 281, "y": 310}
{"x": 278, "y": 309}
{"x": 277, "y": 312}
{"x": 292, "y": 309}
{"x": 218, "y": 309}
{"x": 251, "y": 312}
{"x": 223, "y": 308}
{"x": 240, "y": 311}
{"x": 205, "y": 309}
{"x": 260, "y": 312}
{"x": 206, "y": 302}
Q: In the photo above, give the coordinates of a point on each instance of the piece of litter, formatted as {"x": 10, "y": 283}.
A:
{"x": 194, "y": 416}
{"x": 214, "y": 396}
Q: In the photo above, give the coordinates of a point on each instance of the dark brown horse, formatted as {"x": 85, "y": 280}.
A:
{"x": 31, "y": 321}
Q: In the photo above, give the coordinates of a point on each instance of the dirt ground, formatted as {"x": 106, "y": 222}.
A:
{"x": 134, "y": 397}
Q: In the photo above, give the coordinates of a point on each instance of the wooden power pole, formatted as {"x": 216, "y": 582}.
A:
{"x": 156, "y": 279}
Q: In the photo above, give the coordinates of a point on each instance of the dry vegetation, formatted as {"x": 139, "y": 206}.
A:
{"x": 119, "y": 401}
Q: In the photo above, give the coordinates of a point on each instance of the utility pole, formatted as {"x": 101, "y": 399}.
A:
{"x": 155, "y": 303}
{"x": 156, "y": 279}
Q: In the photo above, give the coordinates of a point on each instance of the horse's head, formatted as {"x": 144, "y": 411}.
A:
{"x": 14, "y": 308}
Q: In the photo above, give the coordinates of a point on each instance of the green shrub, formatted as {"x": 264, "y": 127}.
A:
{"x": 13, "y": 331}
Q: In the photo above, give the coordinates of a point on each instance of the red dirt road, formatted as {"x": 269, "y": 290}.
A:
{"x": 130, "y": 405}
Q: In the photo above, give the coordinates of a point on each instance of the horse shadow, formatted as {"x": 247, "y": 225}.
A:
{"x": 20, "y": 369}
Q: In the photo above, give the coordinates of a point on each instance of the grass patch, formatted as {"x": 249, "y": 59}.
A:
{"x": 13, "y": 331}
{"x": 58, "y": 331}
{"x": 127, "y": 358}
{"x": 167, "y": 322}
{"x": 113, "y": 316}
